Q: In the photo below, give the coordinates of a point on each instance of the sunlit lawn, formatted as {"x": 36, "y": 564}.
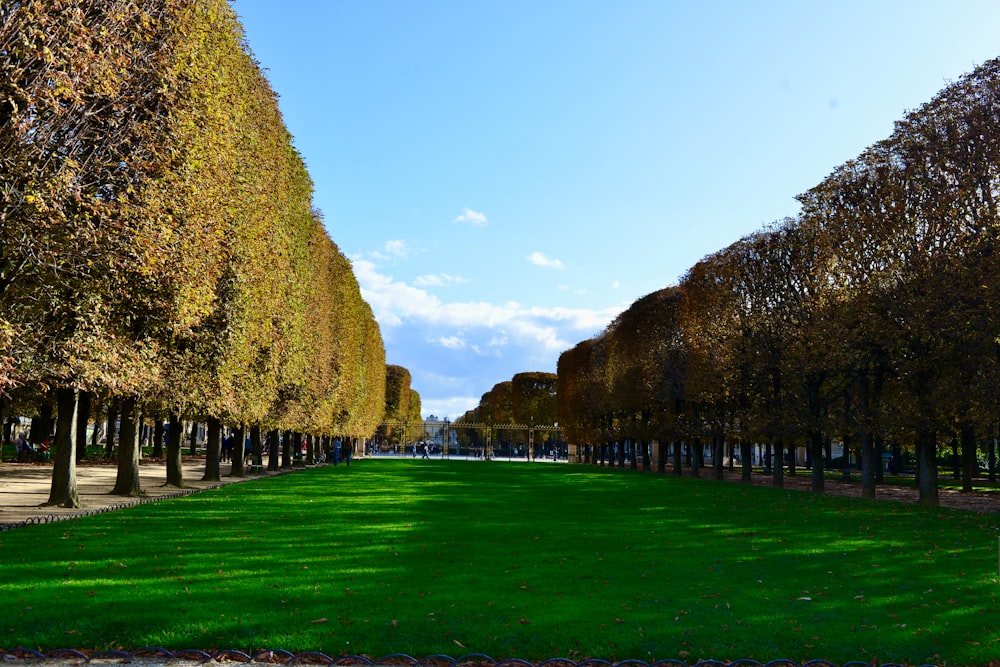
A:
{"x": 534, "y": 561}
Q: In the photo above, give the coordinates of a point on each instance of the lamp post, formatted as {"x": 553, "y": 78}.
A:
{"x": 446, "y": 437}
{"x": 531, "y": 439}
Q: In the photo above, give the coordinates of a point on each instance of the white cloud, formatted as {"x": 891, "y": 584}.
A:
{"x": 395, "y": 302}
{"x": 540, "y": 259}
{"x": 451, "y": 407}
{"x": 438, "y": 280}
{"x": 475, "y": 343}
{"x": 396, "y": 249}
{"x": 452, "y": 342}
{"x": 499, "y": 340}
{"x": 474, "y": 218}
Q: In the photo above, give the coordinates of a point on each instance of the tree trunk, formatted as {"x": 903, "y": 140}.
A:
{"x": 175, "y": 469}
{"x": 273, "y": 444}
{"x": 237, "y": 469}
{"x": 193, "y": 451}
{"x": 746, "y": 472}
{"x": 778, "y": 470}
{"x": 256, "y": 446}
{"x": 879, "y": 452}
{"x": 111, "y": 430}
{"x": 969, "y": 465}
{"x": 869, "y": 465}
{"x": 869, "y": 460}
{"x": 127, "y": 481}
{"x": 661, "y": 455}
{"x": 697, "y": 454}
{"x": 718, "y": 454}
{"x": 158, "y": 438}
{"x": 286, "y": 449}
{"x": 927, "y": 468}
{"x": 82, "y": 419}
{"x": 791, "y": 459}
{"x": 816, "y": 448}
{"x": 213, "y": 450}
{"x": 956, "y": 461}
{"x": 8, "y": 423}
{"x": 310, "y": 449}
{"x": 634, "y": 445}
{"x": 96, "y": 435}
{"x": 63, "y": 491}
{"x": 992, "y": 459}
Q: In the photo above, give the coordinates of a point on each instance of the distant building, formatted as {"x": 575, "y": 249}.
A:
{"x": 434, "y": 430}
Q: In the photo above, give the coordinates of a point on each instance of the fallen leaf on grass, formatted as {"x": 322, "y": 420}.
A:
{"x": 458, "y": 643}
{"x": 320, "y": 620}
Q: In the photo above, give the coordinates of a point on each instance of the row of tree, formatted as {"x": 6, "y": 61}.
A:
{"x": 402, "y": 406}
{"x": 870, "y": 318}
{"x": 158, "y": 246}
{"x": 527, "y": 399}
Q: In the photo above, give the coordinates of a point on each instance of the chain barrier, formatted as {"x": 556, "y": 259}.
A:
{"x": 281, "y": 657}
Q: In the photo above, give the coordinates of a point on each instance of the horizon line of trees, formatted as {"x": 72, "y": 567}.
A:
{"x": 402, "y": 407}
{"x": 870, "y": 318}
{"x": 527, "y": 399}
{"x": 159, "y": 253}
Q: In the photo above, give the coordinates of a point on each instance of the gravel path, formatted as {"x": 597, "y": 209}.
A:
{"x": 24, "y": 488}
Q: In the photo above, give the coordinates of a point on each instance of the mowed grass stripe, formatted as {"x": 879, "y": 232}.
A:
{"x": 532, "y": 561}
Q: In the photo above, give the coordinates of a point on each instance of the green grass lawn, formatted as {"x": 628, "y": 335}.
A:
{"x": 532, "y": 561}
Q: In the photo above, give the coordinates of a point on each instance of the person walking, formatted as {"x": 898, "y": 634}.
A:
{"x": 348, "y": 449}
{"x": 336, "y": 450}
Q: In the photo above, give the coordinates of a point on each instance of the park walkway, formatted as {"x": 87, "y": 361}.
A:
{"x": 24, "y": 487}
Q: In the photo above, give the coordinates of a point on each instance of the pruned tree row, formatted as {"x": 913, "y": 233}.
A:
{"x": 158, "y": 248}
{"x": 526, "y": 400}
{"x": 870, "y": 319}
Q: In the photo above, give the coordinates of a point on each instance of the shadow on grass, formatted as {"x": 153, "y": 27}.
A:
{"x": 533, "y": 561}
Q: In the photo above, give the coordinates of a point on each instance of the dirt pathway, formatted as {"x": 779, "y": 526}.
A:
{"x": 24, "y": 487}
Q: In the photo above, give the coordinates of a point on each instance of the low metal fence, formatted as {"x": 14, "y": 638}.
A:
{"x": 159, "y": 655}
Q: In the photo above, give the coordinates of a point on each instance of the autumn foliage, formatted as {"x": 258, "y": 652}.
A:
{"x": 159, "y": 244}
{"x": 869, "y": 319}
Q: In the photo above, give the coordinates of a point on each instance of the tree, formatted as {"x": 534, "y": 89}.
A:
{"x": 533, "y": 399}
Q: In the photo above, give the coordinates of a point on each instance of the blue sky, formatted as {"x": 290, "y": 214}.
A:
{"x": 508, "y": 175}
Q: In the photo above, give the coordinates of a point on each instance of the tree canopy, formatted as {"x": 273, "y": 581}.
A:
{"x": 869, "y": 318}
